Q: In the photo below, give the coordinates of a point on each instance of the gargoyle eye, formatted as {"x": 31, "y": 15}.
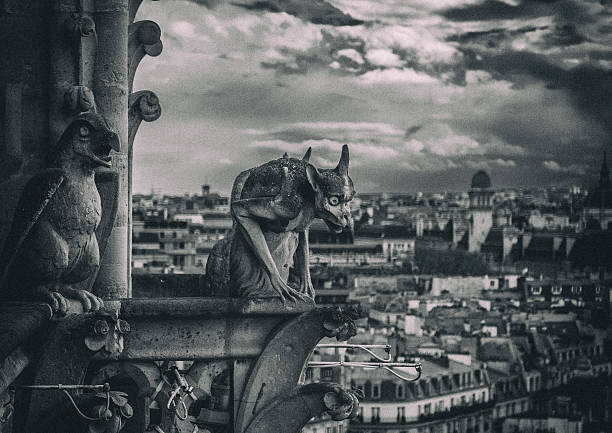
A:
{"x": 333, "y": 200}
{"x": 84, "y": 131}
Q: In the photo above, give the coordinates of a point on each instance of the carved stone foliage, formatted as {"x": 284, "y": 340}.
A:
{"x": 144, "y": 39}
{"x": 142, "y": 105}
{"x": 101, "y": 412}
{"x": 66, "y": 351}
{"x": 289, "y": 413}
{"x": 105, "y": 335}
{"x": 340, "y": 322}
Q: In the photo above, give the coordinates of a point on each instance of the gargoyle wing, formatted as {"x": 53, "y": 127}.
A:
{"x": 34, "y": 199}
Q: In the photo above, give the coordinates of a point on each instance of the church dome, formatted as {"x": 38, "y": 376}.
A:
{"x": 481, "y": 180}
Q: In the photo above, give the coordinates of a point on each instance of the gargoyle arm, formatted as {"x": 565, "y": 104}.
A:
{"x": 302, "y": 256}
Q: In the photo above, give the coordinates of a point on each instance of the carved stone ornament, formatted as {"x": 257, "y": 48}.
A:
{"x": 272, "y": 207}
{"x": 79, "y": 99}
{"x": 144, "y": 39}
{"x": 304, "y": 403}
{"x": 288, "y": 350}
{"x": 81, "y": 25}
{"x": 105, "y": 335}
{"x": 111, "y": 412}
{"x": 51, "y": 249}
{"x": 340, "y": 322}
{"x": 142, "y": 105}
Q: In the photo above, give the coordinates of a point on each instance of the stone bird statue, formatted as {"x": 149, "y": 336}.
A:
{"x": 52, "y": 246}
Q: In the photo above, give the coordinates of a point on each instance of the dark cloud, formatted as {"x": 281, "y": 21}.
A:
{"x": 495, "y": 10}
{"x": 589, "y": 87}
{"x": 562, "y": 11}
{"x": 412, "y": 130}
{"x": 564, "y": 35}
{"x": 492, "y": 38}
{"x": 314, "y": 11}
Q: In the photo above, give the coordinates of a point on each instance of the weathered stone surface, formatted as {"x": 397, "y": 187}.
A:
{"x": 289, "y": 413}
{"x": 52, "y": 246}
{"x": 287, "y": 351}
{"x": 272, "y": 207}
{"x": 64, "y": 354}
{"x": 144, "y": 39}
{"x": 110, "y": 88}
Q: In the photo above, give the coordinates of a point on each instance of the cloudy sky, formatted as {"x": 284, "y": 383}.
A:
{"x": 425, "y": 92}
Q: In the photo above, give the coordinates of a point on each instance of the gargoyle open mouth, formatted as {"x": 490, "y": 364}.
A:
{"x": 101, "y": 155}
{"x": 102, "y": 149}
{"x": 334, "y": 227}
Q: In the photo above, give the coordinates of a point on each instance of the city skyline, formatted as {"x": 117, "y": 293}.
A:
{"x": 424, "y": 93}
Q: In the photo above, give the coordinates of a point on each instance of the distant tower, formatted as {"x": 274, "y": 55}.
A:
{"x": 598, "y": 206}
{"x": 481, "y": 210}
{"x": 205, "y": 190}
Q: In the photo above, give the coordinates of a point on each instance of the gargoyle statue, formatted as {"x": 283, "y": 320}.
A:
{"x": 273, "y": 206}
{"x": 52, "y": 246}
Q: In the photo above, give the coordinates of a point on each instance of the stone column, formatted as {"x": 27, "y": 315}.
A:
{"x": 110, "y": 87}
{"x": 23, "y": 100}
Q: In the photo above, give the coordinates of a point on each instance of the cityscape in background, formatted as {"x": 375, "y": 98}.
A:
{"x": 502, "y": 295}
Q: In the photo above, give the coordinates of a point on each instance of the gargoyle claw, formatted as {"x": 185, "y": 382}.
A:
{"x": 90, "y": 301}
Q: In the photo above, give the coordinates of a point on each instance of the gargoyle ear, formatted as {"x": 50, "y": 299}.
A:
{"x": 306, "y": 157}
{"x": 343, "y": 164}
{"x": 314, "y": 177}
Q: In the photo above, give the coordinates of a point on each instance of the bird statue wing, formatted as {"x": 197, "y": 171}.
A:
{"x": 34, "y": 199}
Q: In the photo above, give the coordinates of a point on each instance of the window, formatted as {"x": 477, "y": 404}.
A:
{"x": 536, "y": 290}
{"x": 441, "y": 405}
{"x": 399, "y": 390}
{"x": 463, "y": 400}
{"x": 452, "y": 402}
{"x": 375, "y": 414}
{"x": 484, "y": 396}
{"x": 556, "y": 290}
{"x": 326, "y": 372}
{"x": 375, "y": 391}
{"x": 427, "y": 409}
{"x": 308, "y": 373}
{"x": 328, "y": 430}
{"x": 401, "y": 414}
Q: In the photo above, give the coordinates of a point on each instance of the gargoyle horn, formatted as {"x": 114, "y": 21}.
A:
{"x": 306, "y": 157}
{"x": 343, "y": 164}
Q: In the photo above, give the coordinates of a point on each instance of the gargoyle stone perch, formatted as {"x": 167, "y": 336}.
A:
{"x": 273, "y": 206}
{"x": 52, "y": 245}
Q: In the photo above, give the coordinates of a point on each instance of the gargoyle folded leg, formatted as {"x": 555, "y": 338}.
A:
{"x": 244, "y": 211}
{"x": 303, "y": 264}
